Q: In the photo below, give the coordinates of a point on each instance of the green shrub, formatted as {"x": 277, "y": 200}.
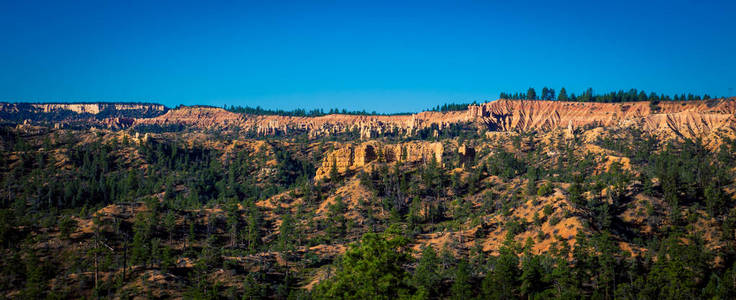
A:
{"x": 545, "y": 190}
{"x": 67, "y": 225}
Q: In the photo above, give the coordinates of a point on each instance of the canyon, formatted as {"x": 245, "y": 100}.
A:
{"x": 669, "y": 118}
{"x": 672, "y": 118}
{"x": 107, "y": 115}
{"x": 203, "y": 191}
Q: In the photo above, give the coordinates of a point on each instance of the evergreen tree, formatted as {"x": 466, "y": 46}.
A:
{"x": 642, "y": 96}
{"x": 334, "y": 175}
{"x": 370, "y": 270}
{"x": 545, "y": 92}
{"x": 531, "y": 277}
{"x": 461, "y": 288}
{"x": 141, "y": 233}
{"x": 426, "y": 276}
{"x": 562, "y": 96}
{"x": 502, "y": 282}
{"x": 35, "y": 285}
{"x": 286, "y": 233}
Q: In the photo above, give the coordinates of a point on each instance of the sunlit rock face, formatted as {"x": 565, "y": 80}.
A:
{"x": 690, "y": 118}
{"x": 671, "y": 118}
{"x": 359, "y": 157}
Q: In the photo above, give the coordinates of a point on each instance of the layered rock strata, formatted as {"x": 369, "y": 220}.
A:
{"x": 689, "y": 118}
{"x": 356, "y": 157}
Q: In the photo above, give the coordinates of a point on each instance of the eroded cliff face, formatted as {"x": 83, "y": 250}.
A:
{"x": 112, "y": 115}
{"x": 367, "y": 126}
{"x": 96, "y": 108}
{"x": 82, "y": 108}
{"x": 667, "y": 118}
{"x": 357, "y": 157}
{"x": 197, "y": 117}
{"x": 691, "y": 118}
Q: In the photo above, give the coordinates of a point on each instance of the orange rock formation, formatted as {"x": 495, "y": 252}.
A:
{"x": 356, "y": 157}
{"x": 688, "y": 119}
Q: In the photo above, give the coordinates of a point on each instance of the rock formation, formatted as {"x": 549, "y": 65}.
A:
{"x": 365, "y": 126}
{"x": 671, "y": 118}
{"x": 467, "y": 154}
{"x": 689, "y": 118}
{"x": 111, "y": 115}
{"x": 360, "y": 156}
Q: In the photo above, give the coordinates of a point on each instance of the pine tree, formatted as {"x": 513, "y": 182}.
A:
{"x": 502, "y": 282}
{"x": 286, "y": 233}
{"x": 531, "y": 94}
{"x": 170, "y": 224}
{"x": 334, "y": 175}
{"x": 587, "y": 96}
{"x": 563, "y": 95}
{"x": 140, "y": 253}
{"x": 34, "y": 285}
{"x": 370, "y": 270}
{"x": 461, "y": 288}
{"x": 414, "y": 217}
{"x": 531, "y": 276}
{"x": 426, "y": 276}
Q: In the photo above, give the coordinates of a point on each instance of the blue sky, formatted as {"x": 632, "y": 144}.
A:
{"x": 373, "y": 55}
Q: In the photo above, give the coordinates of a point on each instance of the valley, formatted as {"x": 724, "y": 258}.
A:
{"x": 503, "y": 199}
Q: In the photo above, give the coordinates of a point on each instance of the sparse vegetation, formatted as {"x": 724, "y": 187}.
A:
{"x": 616, "y": 214}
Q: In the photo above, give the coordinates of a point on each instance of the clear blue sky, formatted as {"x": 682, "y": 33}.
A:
{"x": 368, "y": 55}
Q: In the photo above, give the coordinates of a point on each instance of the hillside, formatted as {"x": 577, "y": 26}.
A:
{"x": 669, "y": 118}
{"x": 507, "y": 199}
{"x": 110, "y": 115}
{"x": 681, "y": 118}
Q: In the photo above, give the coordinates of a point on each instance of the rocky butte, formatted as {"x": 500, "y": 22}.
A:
{"x": 359, "y": 157}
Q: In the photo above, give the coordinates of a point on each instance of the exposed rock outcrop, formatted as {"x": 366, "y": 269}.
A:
{"x": 357, "y": 157}
{"x": 670, "y": 118}
{"x": 110, "y": 115}
{"x": 197, "y": 117}
{"x": 689, "y": 118}
{"x": 467, "y": 154}
{"x": 364, "y": 126}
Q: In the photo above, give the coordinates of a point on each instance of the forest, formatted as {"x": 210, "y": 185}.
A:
{"x": 105, "y": 214}
{"x": 610, "y": 97}
{"x": 300, "y": 112}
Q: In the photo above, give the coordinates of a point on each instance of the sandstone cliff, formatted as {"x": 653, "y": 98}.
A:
{"x": 367, "y": 126}
{"x": 669, "y": 118}
{"x": 688, "y": 119}
{"x": 357, "y": 157}
{"x": 682, "y": 118}
{"x": 112, "y": 115}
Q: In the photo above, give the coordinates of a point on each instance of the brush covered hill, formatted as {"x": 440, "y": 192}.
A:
{"x": 507, "y": 199}
{"x": 79, "y": 115}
